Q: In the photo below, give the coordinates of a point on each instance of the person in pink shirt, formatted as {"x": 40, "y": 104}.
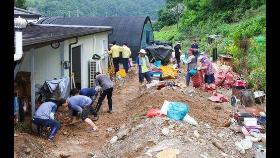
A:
{"x": 209, "y": 70}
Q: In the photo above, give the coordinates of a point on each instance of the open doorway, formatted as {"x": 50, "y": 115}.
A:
{"x": 76, "y": 65}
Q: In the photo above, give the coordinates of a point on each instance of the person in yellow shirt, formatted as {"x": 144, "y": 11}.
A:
{"x": 126, "y": 53}
{"x": 115, "y": 53}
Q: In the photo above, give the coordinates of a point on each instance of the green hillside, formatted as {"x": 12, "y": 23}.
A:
{"x": 237, "y": 21}
{"x": 96, "y": 7}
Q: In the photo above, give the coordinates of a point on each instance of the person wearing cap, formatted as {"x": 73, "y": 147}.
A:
{"x": 209, "y": 70}
{"x": 115, "y": 53}
{"x": 191, "y": 64}
{"x": 143, "y": 66}
{"x": 194, "y": 46}
{"x": 178, "y": 51}
{"x": 126, "y": 53}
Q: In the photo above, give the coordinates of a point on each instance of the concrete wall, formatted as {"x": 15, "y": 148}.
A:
{"x": 48, "y": 60}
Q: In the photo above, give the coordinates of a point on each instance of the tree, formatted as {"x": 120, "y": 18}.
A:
{"x": 20, "y": 4}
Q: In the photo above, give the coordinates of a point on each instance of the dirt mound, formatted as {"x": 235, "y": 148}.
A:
{"x": 200, "y": 108}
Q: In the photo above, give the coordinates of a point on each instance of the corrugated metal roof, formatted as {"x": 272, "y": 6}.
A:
{"x": 37, "y": 34}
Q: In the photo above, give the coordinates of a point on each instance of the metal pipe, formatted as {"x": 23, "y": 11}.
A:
{"x": 70, "y": 59}
{"x": 18, "y": 43}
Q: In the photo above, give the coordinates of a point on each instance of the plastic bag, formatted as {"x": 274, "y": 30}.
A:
{"x": 121, "y": 73}
{"x": 157, "y": 63}
{"x": 153, "y": 113}
{"x": 190, "y": 120}
{"x": 192, "y": 72}
{"x": 177, "y": 110}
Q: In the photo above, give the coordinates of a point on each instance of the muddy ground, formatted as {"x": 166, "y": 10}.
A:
{"x": 143, "y": 136}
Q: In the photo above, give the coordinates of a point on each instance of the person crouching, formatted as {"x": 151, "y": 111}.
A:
{"x": 44, "y": 116}
{"x": 209, "y": 71}
{"x": 82, "y": 106}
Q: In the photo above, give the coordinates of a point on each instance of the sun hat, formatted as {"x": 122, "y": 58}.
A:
{"x": 143, "y": 51}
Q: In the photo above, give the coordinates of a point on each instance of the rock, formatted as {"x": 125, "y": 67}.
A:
{"x": 196, "y": 134}
{"x": 122, "y": 126}
{"x": 149, "y": 154}
{"x": 168, "y": 153}
{"x": 204, "y": 156}
{"x": 27, "y": 151}
{"x": 64, "y": 155}
{"x": 114, "y": 139}
{"x": 218, "y": 108}
{"x": 218, "y": 145}
{"x": 207, "y": 126}
{"x": 65, "y": 133}
{"x": 15, "y": 135}
{"x": 109, "y": 129}
{"x": 224, "y": 154}
{"x": 165, "y": 131}
{"x": 121, "y": 134}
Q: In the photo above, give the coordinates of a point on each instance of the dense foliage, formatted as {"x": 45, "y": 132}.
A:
{"x": 20, "y": 4}
{"x": 237, "y": 21}
{"x": 96, "y": 7}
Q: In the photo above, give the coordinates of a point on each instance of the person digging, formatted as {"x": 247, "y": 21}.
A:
{"x": 44, "y": 116}
{"x": 80, "y": 106}
{"x": 104, "y": 84}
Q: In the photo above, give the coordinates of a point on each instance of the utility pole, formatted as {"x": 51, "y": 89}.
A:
{"x": 68, "y": 13}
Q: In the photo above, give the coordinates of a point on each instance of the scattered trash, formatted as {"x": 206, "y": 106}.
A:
{"x": 65, "y": 133}
{"x": 153, "y": 113}
{"x": 157, "y": 64}
{"x": 245, "y": 131}
{"x": 114, "y": 139}
{"x": 152, "y": 84}
{"x": 177, "y": 110}
{"x": 216, "y": 97}
{"x": 190, "y": 120}
{"x": 250, "y": 121}
{"x": 121, "y": 73}
{"x": 244, "y": 145}
{"x": 165, "y": 107}
{"x": 168, "y": 72}
{"x": 168, "y": 153}
{"x": 165, "y": 131}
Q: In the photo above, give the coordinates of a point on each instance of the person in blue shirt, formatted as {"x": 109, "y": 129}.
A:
{"x": 89, "y": 92}
{"x": 82, "y": 105}
{"x": 44, "y": 116}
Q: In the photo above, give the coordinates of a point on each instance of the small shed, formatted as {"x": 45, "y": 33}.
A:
{"x": 136, "y": 31}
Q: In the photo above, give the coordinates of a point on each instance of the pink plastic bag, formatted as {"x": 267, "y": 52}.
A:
{"x": 153, "y": 113}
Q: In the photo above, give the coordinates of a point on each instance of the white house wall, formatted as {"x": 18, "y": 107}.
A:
{"x": 47, "y": 63}
{"x": 89, "y": 44}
